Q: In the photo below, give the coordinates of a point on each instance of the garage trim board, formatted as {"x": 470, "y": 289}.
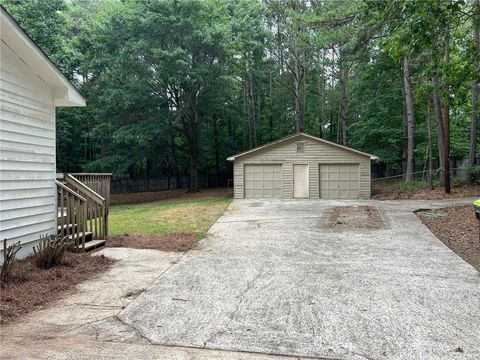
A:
{"x": 302, "y": 166}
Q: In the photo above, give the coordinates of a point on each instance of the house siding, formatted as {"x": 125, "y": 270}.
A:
{"x": 316, "y": 153}
{"x": 27, "y": 153}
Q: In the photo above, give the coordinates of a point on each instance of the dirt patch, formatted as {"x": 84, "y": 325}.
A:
{"x": 456, "y": 227}
{"x": 359, "y": 217}
{"x": 390, "y": 191}
{"x": 154, "y": 196}
{"x": 31, "y": 288}
{"x": 176, "y": 241}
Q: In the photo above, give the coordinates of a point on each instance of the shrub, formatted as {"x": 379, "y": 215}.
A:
{"x": 456, "y": 181}
{"x": 9, "y": 253}
{"x": 50, "y": 250}
{"x": 409, "y": 186}
{"x": 473, "y": 173}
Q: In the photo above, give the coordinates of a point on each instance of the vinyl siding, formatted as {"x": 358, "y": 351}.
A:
{"x": 315, "y": 153}
{"x": 27, "y": 153}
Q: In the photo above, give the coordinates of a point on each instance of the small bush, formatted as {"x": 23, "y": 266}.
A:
{"x": 409, "y": 186}
{"x": 456, "y": 181}
{"x": 9, "y": 253}
{"x": 473, "y": 173}
{"x": 50, "y": 250}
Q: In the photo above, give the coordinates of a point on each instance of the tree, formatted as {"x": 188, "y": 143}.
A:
{"x": 472, "y": 155}
{"x": 407, "y": 85}
{"x": 174, "y": 87}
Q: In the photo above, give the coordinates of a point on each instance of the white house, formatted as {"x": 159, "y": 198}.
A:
{"x": 31, "y": 88}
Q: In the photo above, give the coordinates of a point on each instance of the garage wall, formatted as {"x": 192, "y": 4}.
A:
{"x": 315, "y": 152}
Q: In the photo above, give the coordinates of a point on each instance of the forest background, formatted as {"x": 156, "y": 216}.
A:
{"x": 173, "y": 87}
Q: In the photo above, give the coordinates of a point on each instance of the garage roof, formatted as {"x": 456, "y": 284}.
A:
{"x": 300, "y": 134}
{"x": 64, "y": 93}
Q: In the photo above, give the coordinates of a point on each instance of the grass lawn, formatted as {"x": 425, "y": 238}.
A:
{"x": 182, "y": 216}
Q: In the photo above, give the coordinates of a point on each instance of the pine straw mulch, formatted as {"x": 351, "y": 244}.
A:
{"x": 181, "y": 194}
{"x": 30, "y": 288}
{"x": 391, "y": 193}
{"x": 359, "y": 217}
{"x": 456, "y": 227}
{"x": 176, "y": 241}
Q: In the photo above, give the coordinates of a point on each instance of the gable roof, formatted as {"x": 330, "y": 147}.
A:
{"x": 13, "y": 36}
{"x": 300, "y": 134}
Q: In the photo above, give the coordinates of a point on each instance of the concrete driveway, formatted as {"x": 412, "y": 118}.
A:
{"x": 273, "y": 277}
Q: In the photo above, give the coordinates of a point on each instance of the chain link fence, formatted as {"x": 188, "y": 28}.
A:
{"x": 165, "y": 183}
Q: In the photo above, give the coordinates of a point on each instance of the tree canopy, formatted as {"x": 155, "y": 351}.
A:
{"x": 174, "y": 87}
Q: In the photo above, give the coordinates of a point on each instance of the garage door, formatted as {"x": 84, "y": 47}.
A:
{"x": 263, "y": 181}
{"x": 339, "y": 181}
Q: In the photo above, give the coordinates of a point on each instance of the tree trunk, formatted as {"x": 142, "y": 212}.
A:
{"x": 296, "y": 92}
{"x": 472, "y": 154}
{"x": 253, "y": 104}
{"x": 304, "y": 81}
{"x": 407, "y": 85}
{"x": 251, "y": 107}
{"x": 193, "y": 155}
{"x": 437, "y": 105}
{"x": 430, "y": 159}
{"x": 446, "y": 125}
{"x": 217, "y": 150}
{"x": 270, "y": 107}
{"x": 257, "y": 118}
{"x": 404, "y": 141}
{"x": 172, "y": 150}
{"x": 343, "y": 103}
{"x": 193, "y": 186}
{"x": 191, "y": 128}
{"x": 246, "y": 123}
{"x": 321, "y": 102}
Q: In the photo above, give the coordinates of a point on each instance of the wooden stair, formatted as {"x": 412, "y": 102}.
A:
{"x": 94, "y": 245}
{"x": 72, "y": 229}
{"x": 83, "y": 201}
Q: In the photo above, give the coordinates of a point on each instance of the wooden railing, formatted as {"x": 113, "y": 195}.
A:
{"x": 96, "y": 204}
{"x": 98, "y": 182}
{"x": 72, "y": 215}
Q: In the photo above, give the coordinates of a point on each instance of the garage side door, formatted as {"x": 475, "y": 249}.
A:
{"x": 339, "y": 181}
{"x": 263, "y": 181}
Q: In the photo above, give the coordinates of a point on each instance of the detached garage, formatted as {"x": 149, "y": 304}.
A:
{"x": 302, "y": 166}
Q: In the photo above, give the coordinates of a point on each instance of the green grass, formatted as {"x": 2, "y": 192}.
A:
{"x": 188, "y": 216}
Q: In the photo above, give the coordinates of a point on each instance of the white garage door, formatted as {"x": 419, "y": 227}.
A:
{"x": 263, "y": 181}
{"x": 339, "y": 181}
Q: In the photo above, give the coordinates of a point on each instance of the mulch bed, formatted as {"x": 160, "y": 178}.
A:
{"x": 181, "y": 194}
{"x": 360, "y": 217}
{"x": 166, "y": 242}
{"x": 30, "y": 288}
{"x": 390, "y": 192}
{"x": 456, "y": 227}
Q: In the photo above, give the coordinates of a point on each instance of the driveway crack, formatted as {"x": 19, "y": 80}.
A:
{"x": 250, "y": 285}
